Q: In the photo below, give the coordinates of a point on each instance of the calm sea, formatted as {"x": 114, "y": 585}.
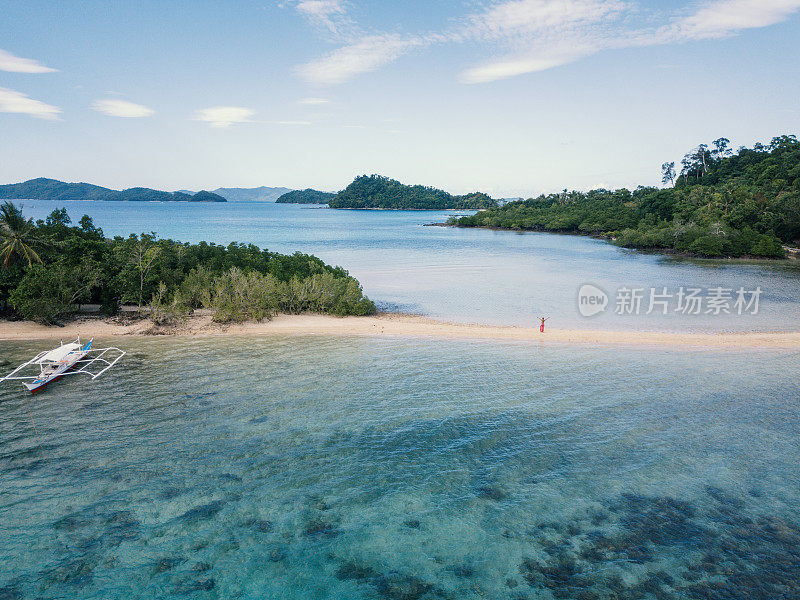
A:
{"x": 496, "y": 277}
{"x": 317, "y": 467}
{"x": 312, "y": 468}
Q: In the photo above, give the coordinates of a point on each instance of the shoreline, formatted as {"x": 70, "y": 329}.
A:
{"x": 396, "y": 325}
{"x": 397, "y": 209}
{"x": 792, "y": 254}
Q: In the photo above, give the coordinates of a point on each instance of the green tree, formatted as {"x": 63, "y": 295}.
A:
{"x": 721, "y": 149}
{"x": 239, "y": 296}
{"x": 241, "y": 281}
{"x": 18, "y": 238}
{"x": 51, "y": 292}
{"x": 719, "y": 206}
{"x": 668, "y": 173}
{"x": 137, "y": 256}
{"x": 376, "y": 191}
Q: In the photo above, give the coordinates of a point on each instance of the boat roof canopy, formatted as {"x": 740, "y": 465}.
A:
{"x": 59, "y": 353}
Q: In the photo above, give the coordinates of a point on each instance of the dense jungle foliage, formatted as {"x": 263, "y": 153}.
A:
{"x": 376, "y": 191}
{"x": 720, "y": 204}
{"x": 49, "y": 267}
{"x": 307, "y": 196}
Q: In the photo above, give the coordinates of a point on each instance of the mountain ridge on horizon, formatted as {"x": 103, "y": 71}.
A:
{"x": 43, "y": 188}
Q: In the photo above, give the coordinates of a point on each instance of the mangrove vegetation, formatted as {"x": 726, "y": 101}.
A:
{"x": 49, "y": 267}
{"x": 720, "y": 203}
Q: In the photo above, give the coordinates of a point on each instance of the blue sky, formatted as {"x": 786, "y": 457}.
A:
{"x": 511, "y": 97}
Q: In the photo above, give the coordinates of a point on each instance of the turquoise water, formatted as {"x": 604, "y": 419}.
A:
{"x": 403, "y": 469}
{"x": 496, "y": 277}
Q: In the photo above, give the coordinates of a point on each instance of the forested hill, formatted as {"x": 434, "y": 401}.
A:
{"x": 307, "y": 196}
{"x": 375, "y": 191}
{"x": 52, "y": 189}
{"x": 720, "y": 203}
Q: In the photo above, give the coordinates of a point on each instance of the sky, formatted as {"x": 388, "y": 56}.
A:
{"x": 509, "y": 97}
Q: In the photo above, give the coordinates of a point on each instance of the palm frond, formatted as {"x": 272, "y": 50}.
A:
{"x": 6, "y": 252}
{"x": 31, "y": 255}
{"x": 11, "y": 217}
{"x": 18, "y": 236}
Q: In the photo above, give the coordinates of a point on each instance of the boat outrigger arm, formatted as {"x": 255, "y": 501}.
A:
{"x": 73, "y": 358}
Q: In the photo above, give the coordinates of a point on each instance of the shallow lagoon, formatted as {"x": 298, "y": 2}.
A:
{"x": 399, "y": 469}
{"x": 496, "y": 277}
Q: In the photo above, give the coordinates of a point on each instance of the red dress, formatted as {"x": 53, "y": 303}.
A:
{"x": 541, "y": 327}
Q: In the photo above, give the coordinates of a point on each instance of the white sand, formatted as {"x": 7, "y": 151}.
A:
{"x": 399, "y": 325}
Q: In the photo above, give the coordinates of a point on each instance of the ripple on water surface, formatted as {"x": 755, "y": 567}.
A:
{"x": 366, "y": 468}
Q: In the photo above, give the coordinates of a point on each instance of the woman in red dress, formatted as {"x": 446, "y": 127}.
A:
{"x": 541, "y": 327}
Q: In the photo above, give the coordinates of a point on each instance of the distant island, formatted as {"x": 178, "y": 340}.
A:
{"x": 52, "y": 189}
{"x": 306, "y": 196}
{"x": 258, "y": 194}
{"x": 376, "y": 191}
{"x": 720, "y": 204}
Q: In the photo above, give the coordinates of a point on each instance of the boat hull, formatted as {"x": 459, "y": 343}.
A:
{"x": 39, "y": 385}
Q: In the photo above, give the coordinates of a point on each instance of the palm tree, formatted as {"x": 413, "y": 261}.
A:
{"x": 17, "y": 236}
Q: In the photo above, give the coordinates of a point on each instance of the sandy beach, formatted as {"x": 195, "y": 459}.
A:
{"x": 399, "y": 325}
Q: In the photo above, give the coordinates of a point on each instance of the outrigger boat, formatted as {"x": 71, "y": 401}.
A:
{"x": 73, "y": 358}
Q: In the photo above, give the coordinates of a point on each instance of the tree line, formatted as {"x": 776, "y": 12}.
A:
{"x": 721, "y": 203}
{"x": 377, "y": 191}
{"x": 306, "y": 196}
{"x": 49, "y": 267}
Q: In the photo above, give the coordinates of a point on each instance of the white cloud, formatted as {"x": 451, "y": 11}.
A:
{"x": 16, "y": 64}
{"x": 327, "y": 14}
{"x": 541, "y": 34}
{"x": 538, "y": 34}
{"x": 292, "y": 122}
{"x": 224, "y": 116}
{"x": 12, "y": 101}
{"x": 520, "y": 65}
{"x": 313, "y": 101}
{"x": 362, "y": 56}
{"x": 522, "y": 17}
{"x": 551, "y": 33}
{"x": 121, "y": 108}
{"x": 528, "y": 36}
{"x": 726, "y": 17}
